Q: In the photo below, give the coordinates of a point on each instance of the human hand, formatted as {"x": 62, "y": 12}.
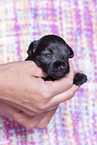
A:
{"x": 32, "y": 96}
{"x": 30, "y": 122}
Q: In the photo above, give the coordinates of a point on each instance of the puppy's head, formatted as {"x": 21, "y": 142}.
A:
{"x": 51, "y": 53}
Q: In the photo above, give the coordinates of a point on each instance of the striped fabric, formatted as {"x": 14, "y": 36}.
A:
{"x": 22, "y": 21}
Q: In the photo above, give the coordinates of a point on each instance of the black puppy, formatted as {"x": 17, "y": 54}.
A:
{"x": 52, "y": 53}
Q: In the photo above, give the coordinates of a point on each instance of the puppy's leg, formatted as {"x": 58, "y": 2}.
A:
{"x": 79, "y": 79}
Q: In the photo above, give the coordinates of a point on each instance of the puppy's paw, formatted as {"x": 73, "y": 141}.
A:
{"x": 79, "y": 79}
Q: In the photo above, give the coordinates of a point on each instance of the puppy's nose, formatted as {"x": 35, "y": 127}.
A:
{"x": 61, "y": 67}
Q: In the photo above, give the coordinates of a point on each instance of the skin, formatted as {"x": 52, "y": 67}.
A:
{"x": 27, "y": 98}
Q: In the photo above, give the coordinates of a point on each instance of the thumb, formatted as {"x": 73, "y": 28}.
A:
{"x": 35, "y": 70}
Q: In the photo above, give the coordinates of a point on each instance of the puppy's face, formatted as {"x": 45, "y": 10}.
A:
{"x": 51, "y": 53}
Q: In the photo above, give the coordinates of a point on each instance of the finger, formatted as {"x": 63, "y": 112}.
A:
{"x": 46, "y": 119}
{"x": 20, "y": 116}
{"x": 24, "y": 119}
{"x": 13, "y": 112}
{"x": 38, "y": 72}
{"x": 24, "y": 108}
{"x": 30, "y": 122}
{"x": 78, "y": 71}
{"x": 39, "y": 121}
{"x": 64, "y": 96}
{"x": 62, "y": 84}
{"x": 33, "y": 121}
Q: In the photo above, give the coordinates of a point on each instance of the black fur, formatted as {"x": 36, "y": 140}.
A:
{"x": 52, "y": 54}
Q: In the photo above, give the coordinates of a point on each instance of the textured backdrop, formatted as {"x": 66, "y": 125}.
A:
{"x": 22, "y": 21}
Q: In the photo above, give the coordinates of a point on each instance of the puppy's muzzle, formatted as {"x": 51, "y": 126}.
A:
{"x": 58, "y": 69}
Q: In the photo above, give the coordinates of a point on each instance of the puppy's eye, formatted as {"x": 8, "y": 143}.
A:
{"x": 48, "y": 55}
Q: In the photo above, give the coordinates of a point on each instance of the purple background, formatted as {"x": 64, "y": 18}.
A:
{"x": 22, "y": 21}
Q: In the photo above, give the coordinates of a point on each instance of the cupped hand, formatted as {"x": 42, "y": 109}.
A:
{"x": 33, "y": 100}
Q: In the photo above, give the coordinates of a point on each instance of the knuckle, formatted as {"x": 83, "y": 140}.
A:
{"x": 43, "y": 126}
{"x": 17, "y": 120}
{"x": 45, "y": 94}
{"x": 41, "y": 107}
{"x": 29, "y": 126}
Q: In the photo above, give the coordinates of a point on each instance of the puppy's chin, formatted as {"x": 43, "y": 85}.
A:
{"x": 57, "y": 75}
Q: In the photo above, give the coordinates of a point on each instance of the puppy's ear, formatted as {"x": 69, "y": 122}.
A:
{"x": 32, "y": 48}
{"x": 71, "y": 53}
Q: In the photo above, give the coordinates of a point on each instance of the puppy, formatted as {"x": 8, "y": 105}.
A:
{"x": 52, "y": 54}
